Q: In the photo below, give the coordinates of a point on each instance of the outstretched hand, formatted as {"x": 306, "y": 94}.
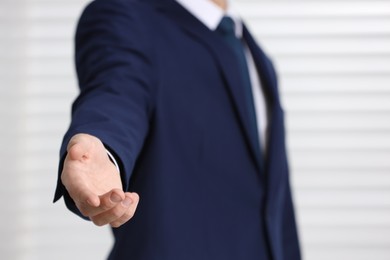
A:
{"x": 94, "y": 183}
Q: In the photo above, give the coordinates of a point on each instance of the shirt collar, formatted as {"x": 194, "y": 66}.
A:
{"x": 210, "y": 14}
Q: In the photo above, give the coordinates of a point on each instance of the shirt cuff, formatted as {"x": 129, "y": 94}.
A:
{"x": 112, "y": 158}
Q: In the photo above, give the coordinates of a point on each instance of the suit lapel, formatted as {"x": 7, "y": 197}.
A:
{"x": 226, "y": 61}
{"x": 275, "y": 116}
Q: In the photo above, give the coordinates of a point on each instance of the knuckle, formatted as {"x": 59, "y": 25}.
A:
{"x": 117, "y": 212}
{"x": 83, "y": 210}
{"x": 98, "y": 222}
{"x": 123, "y": 219}
{"x": 116, "y": 224}
{"x": 129, "y": 214}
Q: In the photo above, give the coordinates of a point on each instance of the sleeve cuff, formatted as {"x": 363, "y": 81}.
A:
{"x": 113, "y": 160}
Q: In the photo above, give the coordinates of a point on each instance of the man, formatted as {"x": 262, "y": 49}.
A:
{"x": 177, "y": 136}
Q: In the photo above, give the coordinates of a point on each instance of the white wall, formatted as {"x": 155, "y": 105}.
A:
{"x": 37, "y": 85}
{"x": 333, "y": 59}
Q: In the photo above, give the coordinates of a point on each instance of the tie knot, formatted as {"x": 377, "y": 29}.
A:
{"x": 226, "y": 26}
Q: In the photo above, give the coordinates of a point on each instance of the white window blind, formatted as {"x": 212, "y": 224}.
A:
{"x": 333, "y": 59}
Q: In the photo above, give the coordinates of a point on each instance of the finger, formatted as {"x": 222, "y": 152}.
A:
{"x": 107, "y": 201}
{"x": 81, "y": 194}
{"x": 87, "y": 203}
{"x": 129, "y": 213}
{"x": 111, "y": 199}
{"x": 114, "y": 213}
{"x": 88, "y": 198}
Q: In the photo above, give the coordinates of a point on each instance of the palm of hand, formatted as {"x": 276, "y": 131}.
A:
{"x": 87, "y": 168}
{"x": 94, "y": 183}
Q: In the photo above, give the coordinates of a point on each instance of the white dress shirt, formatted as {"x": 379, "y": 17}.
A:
{"x": 211, "y": 15}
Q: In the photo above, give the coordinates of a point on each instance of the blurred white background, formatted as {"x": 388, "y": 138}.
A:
{"x": 333, "y": 59}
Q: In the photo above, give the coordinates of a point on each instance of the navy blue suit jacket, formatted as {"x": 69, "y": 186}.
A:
{"x": 163, "y": 94}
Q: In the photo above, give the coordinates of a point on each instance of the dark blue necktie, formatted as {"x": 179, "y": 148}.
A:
{"x": 226, "y": 29}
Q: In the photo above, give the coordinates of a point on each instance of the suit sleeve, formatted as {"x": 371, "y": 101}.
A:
{"x": 116, "y": 78}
